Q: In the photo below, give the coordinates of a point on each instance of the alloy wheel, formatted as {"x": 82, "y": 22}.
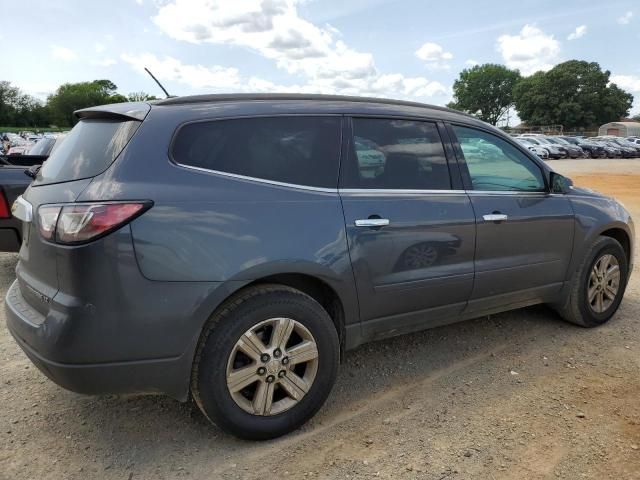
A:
{"x": 272, "y": 366}
{"x": 603, "y": 283}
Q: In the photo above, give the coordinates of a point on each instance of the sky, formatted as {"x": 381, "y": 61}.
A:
{"x": 407, "y": 49}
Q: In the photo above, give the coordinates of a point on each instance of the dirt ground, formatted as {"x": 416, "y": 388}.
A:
{"x": 521, "y": 395}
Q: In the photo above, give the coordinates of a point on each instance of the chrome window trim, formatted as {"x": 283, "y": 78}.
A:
{"x": 508, "y": 192}
{"x": 258, "y": 180}
{"x": 398, "y": 191}
{"x": 360, "y": 191}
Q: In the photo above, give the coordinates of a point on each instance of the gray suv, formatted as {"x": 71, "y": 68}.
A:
{"x": 230, "y": 248}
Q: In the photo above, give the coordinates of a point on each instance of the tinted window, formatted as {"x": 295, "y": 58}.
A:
{"x": 88, "y": 150}
{"x": 396, "y": 154}
{"x": 298, "y": 150}
{"x": 495, "y": 164}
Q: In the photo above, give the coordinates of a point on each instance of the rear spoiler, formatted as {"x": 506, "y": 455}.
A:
{"x": 117, "y": 111}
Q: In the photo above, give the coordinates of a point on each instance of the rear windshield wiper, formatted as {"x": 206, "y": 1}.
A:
{"x": 32, "y": 171}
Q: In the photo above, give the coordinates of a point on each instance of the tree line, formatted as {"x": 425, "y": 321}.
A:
{"x": 575, "y": 94}
{"x": 18, "y": 109}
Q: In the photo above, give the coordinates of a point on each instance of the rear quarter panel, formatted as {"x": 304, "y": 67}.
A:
{"x": 205, "y": 227}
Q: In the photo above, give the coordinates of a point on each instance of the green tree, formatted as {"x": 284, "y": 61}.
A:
{"x": 485, "y": 91}
{"x": 140, "y": 97}
{"x": 20, "y": 110}
{"x": 573, "y": 94}
{"x": 8, "y": 98}
{"x": 74, "y": 96}
{"x": 636, "y": 118}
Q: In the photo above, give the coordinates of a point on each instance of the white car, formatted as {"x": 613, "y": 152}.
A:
{"x": 538, "y": 150}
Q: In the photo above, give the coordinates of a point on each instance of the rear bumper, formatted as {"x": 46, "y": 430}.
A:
{"x": 152, "y": 376}
{"x": 32, "y": 330}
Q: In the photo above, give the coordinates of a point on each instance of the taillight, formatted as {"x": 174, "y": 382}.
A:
{"x": 82, "y": 222}
{"x": 5, "y": 212}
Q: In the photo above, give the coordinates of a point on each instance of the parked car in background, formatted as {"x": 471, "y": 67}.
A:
{"x": 45, "y": 146}
{"x": 573, "y": 151}
{"x": 634, "y": 140}
{"x": 538, "y": 150}
{"x": 554, "y": 151}
{"x": 623, "y": 142}
{"x": 13, "y": 182}
{"x": 624, "y": 151}
{"x": 20, "y": 149}
{"x": 271, "y": 253}
{"x": 590, "y": 149}
{"x": 611, "y": 150}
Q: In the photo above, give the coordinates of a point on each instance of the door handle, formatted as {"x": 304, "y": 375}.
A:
{"x": 495, "y": 217}
{"x": 372, "y": 222}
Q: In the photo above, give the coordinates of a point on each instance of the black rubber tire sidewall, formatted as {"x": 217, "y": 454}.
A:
{"x": 213, "y": 396}
{"x": 591, "y": 318}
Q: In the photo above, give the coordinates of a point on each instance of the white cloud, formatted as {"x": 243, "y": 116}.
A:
{"x": 630, "y": 83}
{"x": 626, "y": 18}
{"x": 105, "y": 62}
{"x": 218, "y": 78}
{"x": 579, "y": 32}
{"x": 471, "y": 62}
{"x": 99, "y": 47}
{"x": 434, "y": 55}
{"x": 314, "y": 54}
{"x": 196, "y": 76}
{"x": 272, "y": 28}
{"x": 40, "y": 90}
{"x": 63, "y": 53}
{"x": 529, "y": 51}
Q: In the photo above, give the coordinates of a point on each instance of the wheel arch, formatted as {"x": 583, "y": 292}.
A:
{"x": 335, "y": 292}
{"x": 316, "y": 288}
{"x": 623, "y": 238}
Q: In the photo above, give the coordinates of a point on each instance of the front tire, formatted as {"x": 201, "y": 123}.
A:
{"x": 266, "y": 362}
{"x": 598, "y": 285}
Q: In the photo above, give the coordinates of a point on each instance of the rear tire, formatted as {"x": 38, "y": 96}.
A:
{"x": 253, "y": 397}
{"x": 597, "y": 287}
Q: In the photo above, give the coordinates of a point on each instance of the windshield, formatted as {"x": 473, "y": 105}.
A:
{"x": 88, "y": 150}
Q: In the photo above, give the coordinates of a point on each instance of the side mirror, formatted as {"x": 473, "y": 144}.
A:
{"x": 560, "y": 184}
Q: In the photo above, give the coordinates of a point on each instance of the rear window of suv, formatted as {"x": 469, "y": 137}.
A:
{"x": 295, "y": 150}
{"x": 88, "y": 150}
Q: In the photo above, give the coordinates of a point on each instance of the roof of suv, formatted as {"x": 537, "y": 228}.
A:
{"x": 224, "y": 97}
{"x": 139, "y": 110}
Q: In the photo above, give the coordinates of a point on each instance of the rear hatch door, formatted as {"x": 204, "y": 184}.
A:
{"x": 90, "y": 148}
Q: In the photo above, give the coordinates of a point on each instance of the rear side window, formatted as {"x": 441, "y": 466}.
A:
{"x": 396, "y": 154}
{"x": 88, "y": 150}
{"x": 296, "y": 150}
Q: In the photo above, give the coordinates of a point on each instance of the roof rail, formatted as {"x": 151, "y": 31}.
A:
{"x": 226, "y": 97}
